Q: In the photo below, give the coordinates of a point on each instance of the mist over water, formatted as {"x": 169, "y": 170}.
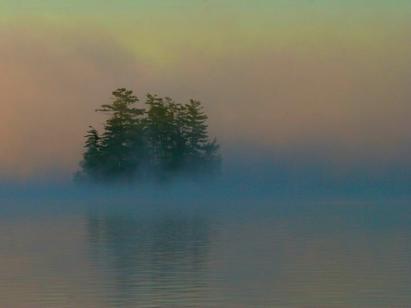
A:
{"x": 130, "y": 252}
{"x": 244, "y": 178}
{"x": 270, "y": 232}
{"x": 310, "y": 103}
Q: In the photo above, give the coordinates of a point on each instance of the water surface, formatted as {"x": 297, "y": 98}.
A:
{"x": 250, "y": 255}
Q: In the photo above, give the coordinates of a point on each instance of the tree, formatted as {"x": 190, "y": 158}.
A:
{"x": 179, "y": 148}
{"x": 157, "y": 127}
{"x": 165, "y": 128}
{"x": 92, "y": 158}
{"x": 122, "y": 141}
{"x": 196, "y": 133}
{"x": 167, "y": 139}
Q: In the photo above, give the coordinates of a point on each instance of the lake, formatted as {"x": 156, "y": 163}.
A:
{"x": 262, "y": 254}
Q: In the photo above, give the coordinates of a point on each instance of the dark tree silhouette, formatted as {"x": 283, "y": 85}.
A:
{"x": 92, "y": 158}
{"x": 168, "y": 139}
{"x": 122, "y": 139}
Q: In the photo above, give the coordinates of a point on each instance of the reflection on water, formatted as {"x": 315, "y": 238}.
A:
{"x": 350, "y": 255}
{"x": 151, "y": 263}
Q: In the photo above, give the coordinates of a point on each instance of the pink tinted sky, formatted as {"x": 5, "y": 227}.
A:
{"x": 276, "y": 78}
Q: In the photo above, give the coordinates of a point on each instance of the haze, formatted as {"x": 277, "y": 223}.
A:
{"x": 297, "y": 92}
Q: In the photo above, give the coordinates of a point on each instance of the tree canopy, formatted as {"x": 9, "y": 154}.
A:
{"x": 164, "y": 140}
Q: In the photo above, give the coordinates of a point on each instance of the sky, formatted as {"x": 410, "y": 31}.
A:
{"x": 296, "y": 88}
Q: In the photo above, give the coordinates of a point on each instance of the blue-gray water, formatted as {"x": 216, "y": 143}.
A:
{"x": 222, "y": 254}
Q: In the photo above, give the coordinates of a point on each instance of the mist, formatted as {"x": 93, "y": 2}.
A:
{"x": 300, "y": 111}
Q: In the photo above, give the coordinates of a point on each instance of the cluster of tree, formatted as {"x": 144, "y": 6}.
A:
{"x": 165, "y": 140}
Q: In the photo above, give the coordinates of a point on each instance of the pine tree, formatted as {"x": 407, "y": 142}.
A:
{"x": 156, "y": 126}
{"x": 179, "y": 149}
{"x": 92, "y": 158}
{"x": 196, "y": 133}
{"x": 167, "y": 139}
{"x": 123, "y": 139}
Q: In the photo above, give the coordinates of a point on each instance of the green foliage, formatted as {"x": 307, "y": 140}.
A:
{"x": 166, "y": 140}
{"x": 196, "y": 129}
{"x": 122, "y": 137}
{"x": 92, "y": 158}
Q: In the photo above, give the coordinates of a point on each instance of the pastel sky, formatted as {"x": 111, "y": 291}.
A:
{"x": 330, "y": 78}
